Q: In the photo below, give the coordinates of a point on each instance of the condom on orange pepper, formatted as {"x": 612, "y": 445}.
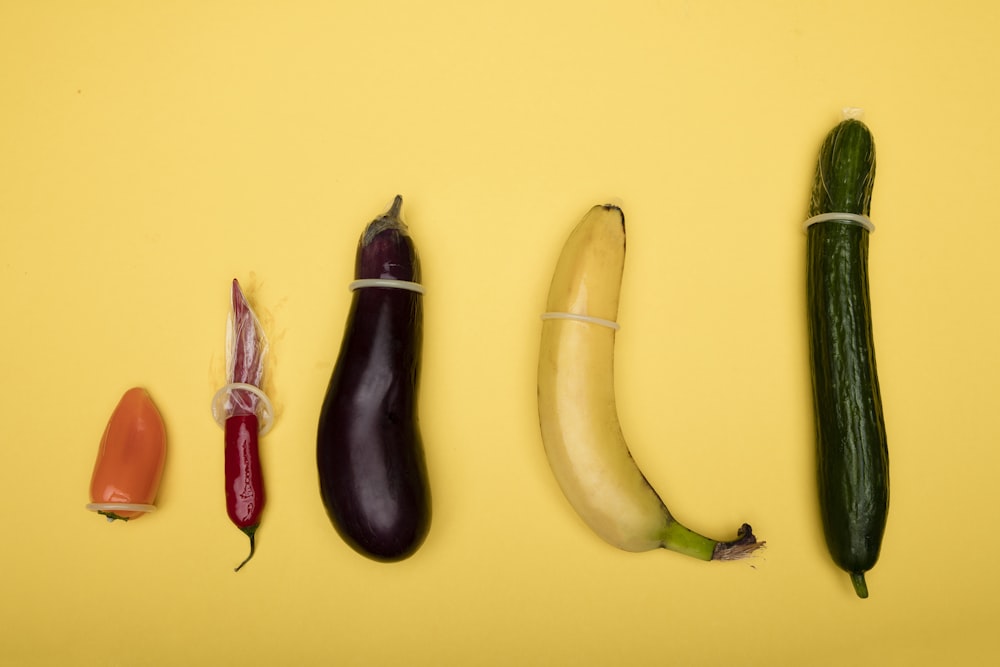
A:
{"x": 130, "y": 460}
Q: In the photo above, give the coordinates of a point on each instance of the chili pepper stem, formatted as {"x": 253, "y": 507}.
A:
{"x": 250, "y": 531}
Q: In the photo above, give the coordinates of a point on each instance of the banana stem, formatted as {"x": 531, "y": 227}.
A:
{"x": 679, "y": 538}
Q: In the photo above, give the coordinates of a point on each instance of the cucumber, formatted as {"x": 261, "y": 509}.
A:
{"x": 852, "y": 454}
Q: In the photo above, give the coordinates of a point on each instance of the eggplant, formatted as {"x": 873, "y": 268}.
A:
{"x": 369, "y": 452}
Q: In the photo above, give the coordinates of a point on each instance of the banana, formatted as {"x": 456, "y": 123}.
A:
{"x": 577, "y": 411}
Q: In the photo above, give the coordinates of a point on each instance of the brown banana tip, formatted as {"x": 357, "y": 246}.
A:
{"x": 743, "y": 546}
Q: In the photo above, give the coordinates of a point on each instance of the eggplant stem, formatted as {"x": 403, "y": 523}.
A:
{"x": 250, "y": 531}
{"x": 394, "y": 210}
{"x": 388, "y": 220}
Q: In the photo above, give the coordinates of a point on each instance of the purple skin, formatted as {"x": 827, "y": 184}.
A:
{"x": 372, "y": 474}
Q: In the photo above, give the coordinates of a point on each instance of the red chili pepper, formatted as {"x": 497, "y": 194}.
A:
{"x": 244, "y": 480}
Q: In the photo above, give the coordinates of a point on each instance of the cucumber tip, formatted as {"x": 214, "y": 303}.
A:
{"x": 860, "y": 586}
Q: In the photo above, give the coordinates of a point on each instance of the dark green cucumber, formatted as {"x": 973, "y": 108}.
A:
{"x": 852, "y": 454}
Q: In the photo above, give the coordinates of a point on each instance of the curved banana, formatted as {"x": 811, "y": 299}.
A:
{"x": 576, "y": 402}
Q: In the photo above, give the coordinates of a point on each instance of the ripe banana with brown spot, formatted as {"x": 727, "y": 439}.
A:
{"x": 576, "y": 402}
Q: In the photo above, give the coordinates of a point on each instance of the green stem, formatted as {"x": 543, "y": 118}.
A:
{"x": 860, "y": 587}
{"x": 679, "y": 538}
{"x": 250, "y": 531}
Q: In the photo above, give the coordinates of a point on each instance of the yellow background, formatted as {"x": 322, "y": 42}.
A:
{"x": 150, "y": 152}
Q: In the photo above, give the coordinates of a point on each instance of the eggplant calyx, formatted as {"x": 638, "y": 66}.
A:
{"x": 389, "y": 220}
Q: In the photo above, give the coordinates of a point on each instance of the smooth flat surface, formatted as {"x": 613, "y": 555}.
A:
{"x": 151, "y": 152}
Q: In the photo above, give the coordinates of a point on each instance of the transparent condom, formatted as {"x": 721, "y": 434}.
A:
{"x": 119, "y": 507}
{"x": 229, "y": 396}
{"x": 386, "y": 282}
{"x": 847, "y": 113}
{"x": 243, "y": 397}
{"x": 610, "y": 324}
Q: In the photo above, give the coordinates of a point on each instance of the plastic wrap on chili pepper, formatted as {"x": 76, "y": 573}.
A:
{"x": 245, "y": 413}
{"x": 246, "y": 352}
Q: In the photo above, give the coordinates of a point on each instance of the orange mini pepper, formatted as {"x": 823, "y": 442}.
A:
{"x": 130, "y": 460}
